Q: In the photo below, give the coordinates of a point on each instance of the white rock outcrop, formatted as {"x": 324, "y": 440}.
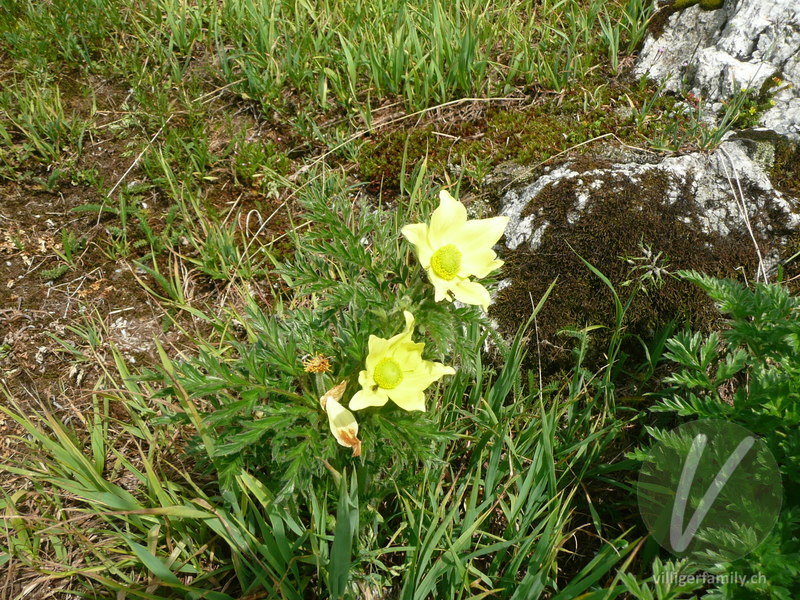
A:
{"x": 714, "y": 53}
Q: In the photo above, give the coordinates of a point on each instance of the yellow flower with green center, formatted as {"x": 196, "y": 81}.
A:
{"x": 453, "y": 249}
{"x": 395, "y": 370}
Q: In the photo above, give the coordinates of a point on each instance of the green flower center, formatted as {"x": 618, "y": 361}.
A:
{"x": 446, "y": 262}
{"x": 388, "y": 374}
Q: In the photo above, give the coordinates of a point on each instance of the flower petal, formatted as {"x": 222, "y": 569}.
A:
{"x": 471, "y": 292}
{"x": 427, "y": 373}
{"x": 404, "y": 337}
{"x": 368, "y": 397}
{"x": 408, "y": 355}
{"x": 483, "y": 233}
{"x": 378, "y": 349}
{"x": 441, "y": 287}
{"x": 446, "y": 221}
{"x": 409, "y": 323}
{"x": 417, "y": 234}
{"x": 479, "y": 263}
{"x": 365, "y": 378}
{"x": 408, "y": 398}
{"x": 344, "y": 426}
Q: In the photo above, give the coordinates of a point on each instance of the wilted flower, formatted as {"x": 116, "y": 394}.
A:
{"x": 316, "y": 364}
{"x": 344, "y": 426}
{"x": 452, "y": 249}
{"x": 396, "y": 371}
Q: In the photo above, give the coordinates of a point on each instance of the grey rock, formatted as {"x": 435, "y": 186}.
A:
{"x": 741, "y": 45}
{"x": 725, "y": 191}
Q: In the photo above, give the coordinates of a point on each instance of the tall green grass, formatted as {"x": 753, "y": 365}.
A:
{"x": 354, "y": 52}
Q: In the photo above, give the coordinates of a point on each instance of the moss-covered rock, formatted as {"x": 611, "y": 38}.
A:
{"x": 680, "y": 210}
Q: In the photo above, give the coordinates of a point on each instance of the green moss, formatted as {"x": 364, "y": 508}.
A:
{"x": 704, "y": 4}
{"x": 785, "y": 177}
{"x": 621, "y": 214}
{"x": 781, "y": 158}
{"x": 785, "y": 172}
{"x": 475, "y": 140}
{"x": 784, "y": 163}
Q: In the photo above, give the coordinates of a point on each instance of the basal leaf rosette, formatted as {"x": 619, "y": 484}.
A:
{"x": 396, "y": 371}
{"x": 453, "y": 249}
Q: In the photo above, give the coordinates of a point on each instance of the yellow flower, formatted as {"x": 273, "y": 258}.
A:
{"x": 452, "y": 249}
{"x": 344, "y": 426}
{"x": 396, "y": 371}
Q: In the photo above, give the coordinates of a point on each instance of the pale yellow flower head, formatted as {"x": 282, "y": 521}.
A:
{"x": 396, "y": 371}
{"x": 343, "y": 424}
{"x": 453, "y": 249}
